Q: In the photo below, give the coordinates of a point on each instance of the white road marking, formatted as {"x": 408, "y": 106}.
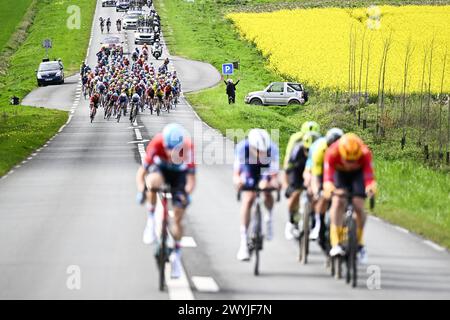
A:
{"x": 188, "y": 242}
{"x": 375, "y": 218}
{"x": 24, "y": 161}
{"x": 178, "y": 288}
{"x": 29, "y": 158}
{"x": 140, "y": 141}
{"x": 34, "y": 154}
{"x": 138, "y": 134}
{"x": 205, "y": 284}
{"x": 434, "y": 245}
{"x": 401, "y": 229}
{"x": 18, "y": 166}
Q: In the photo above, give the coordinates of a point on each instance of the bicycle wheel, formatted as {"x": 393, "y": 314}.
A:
{"x": 352, "y": 275}
{"x": 304, "y": 237}
{"x": 162, "y": 258}
{"x": 257, "y": 241}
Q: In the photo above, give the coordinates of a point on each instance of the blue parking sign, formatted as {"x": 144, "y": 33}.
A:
{"x": 227, "y": 69}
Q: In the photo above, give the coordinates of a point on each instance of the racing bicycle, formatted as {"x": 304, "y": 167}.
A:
{"x": 163, "y": 251}
{"x": 256, "y": 239}
{"x": 350, "y": 244}
{"x": 93, "y": 112}
{"x": 134, "y": 111}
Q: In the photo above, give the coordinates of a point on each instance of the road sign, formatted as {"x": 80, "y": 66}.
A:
{"x": 227, "y": 68}
{"x": 47, "y": 43}
{"x": 236, "y": 65}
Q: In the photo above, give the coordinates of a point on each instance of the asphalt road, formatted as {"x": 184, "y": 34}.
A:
{"x": 70, "y": 206}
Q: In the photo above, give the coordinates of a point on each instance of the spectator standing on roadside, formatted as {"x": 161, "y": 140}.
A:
{"x": 231, "y": 90}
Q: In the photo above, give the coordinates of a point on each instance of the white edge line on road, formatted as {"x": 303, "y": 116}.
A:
{"x": 205, "y": 284}
{"x": 401, "y": 229}
{"x": 188, "y": 242}
{"x": 434, "y": 245}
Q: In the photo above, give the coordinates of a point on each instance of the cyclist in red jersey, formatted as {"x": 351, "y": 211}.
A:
{"x": 348, "y": 166}
{"x": 169, "y": 160}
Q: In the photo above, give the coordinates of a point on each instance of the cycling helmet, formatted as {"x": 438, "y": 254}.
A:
{"x": 350, "y": 147}
{"x": 310, "y": 126}
{"x": 173, "y": 135}
{"x": 333, "y": 135}
{"x": 309, "y": 138}
{"x": 259, "y": 139}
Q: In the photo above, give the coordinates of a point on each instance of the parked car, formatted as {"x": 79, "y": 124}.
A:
{"x": 279, "y": 93}
{"x": 122, "y": 5}
{"x": 130, "y": 21}
{"x": 108, "y": 3}
{"x": 50, "y": 72}
{"x": 144, "y": 35}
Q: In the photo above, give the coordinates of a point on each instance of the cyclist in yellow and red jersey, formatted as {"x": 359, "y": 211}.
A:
{"x": 348, "y": 167}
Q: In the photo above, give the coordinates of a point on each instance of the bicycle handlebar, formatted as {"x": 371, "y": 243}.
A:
{"x": 350, "y": 195}
{"x": 258, "y": 190}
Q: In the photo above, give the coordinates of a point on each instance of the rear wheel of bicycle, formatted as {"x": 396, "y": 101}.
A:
{"x": 256, "y": 270}
{"x": 332, "y": 266}
{"x": 162, "y": 260}
{"x": 304, "y": 240}
{"x": 338, "y": 267}
{"x": 352, "y": 274}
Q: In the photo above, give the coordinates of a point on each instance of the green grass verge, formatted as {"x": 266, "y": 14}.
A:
{"x": 10, "y": 17}
{"x": 410, "y": 194}
{"x": 23, "y": 129}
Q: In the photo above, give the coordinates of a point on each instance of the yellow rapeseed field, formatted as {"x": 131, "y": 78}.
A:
{"x": 314, "y": 45}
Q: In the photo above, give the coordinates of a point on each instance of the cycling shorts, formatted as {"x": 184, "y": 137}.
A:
{"x": 251, "y": 176}
{"x": 295, "y": 181}
{"x": 177, "y": 182}
{"x": 352, "y": 181}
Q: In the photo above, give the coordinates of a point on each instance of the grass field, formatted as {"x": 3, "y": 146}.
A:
{"x": 10, "y": 17}
{"x": 23, "y": 129}
{"x": 410, "y": 194}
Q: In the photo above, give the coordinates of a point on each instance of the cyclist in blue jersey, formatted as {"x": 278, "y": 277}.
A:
{"x": 256, "y": 164}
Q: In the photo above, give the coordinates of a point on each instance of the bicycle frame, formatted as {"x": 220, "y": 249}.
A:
{"x": 162, "y": 253}
{"x": 257, "y": 238}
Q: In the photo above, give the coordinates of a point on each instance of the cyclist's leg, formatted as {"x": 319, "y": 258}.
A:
{"x": 358, "y": 203}
{"x": 337, "y": 209}
{"x": 294, "y": 181}
{"x": 154, "y": 179}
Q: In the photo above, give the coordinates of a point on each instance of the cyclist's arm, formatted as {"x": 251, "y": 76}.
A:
{"x": 140, "y": 178}
{"x": 367, "y": 168}
{"x": 292, "y": 140}
{"x": 239, "y": 160}
{"x": 329, "y": 165}
{"x": 274, "y": 167}
{"x": 190, "y": 183}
